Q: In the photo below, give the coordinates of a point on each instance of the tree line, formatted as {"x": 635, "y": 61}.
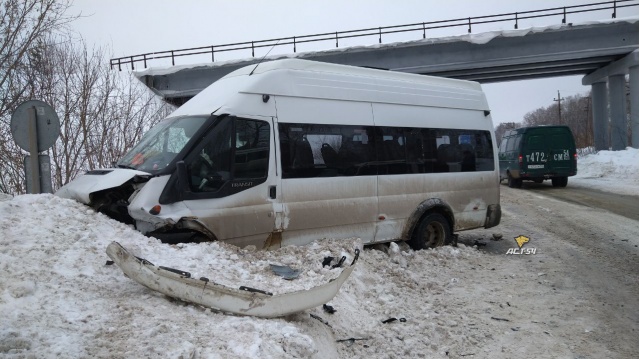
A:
{"x": 102, "y": 112}
{"x": 576, "y": 113}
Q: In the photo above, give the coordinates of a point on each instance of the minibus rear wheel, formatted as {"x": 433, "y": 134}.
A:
{"x": 433, "y": 231}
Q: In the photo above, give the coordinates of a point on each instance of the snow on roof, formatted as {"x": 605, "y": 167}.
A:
{"x": 480, "y": 38}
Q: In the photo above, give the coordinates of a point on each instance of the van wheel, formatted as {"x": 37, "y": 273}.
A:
{"x": 514, "y": 182}
{"x": 560, "y": 181}
{"x": 433, "y": 231}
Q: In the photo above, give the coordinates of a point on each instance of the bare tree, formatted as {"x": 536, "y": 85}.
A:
{"x": 22, "y": 24}
{"x": 103, "y": 113}
{"x": 575, "y": 113}
{"x": 501, "y": 129}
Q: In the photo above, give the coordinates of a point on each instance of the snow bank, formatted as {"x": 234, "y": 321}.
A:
{"x": 614, "y": 171}
{"x": 59, "y": 298}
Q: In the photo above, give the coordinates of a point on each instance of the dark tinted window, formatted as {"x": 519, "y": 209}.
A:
{"x": 332, "y": 150}
{"x": 517, "y": 142}
{"x": 419, "y": 150}
{"x": 535, "y": 142}
{"x": 310, "y": 150}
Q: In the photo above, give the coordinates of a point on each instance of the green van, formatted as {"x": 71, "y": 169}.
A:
{"x": 537, "y": 153}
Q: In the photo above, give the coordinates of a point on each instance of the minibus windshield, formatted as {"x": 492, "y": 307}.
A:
{"x": 161, "y": 144}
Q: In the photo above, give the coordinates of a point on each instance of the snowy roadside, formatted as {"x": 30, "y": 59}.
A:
{"x": 609, "y": 171}
{"x": 58, "y": 298}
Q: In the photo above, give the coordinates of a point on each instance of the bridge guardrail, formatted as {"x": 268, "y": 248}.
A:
{"x": 373, "y": 31}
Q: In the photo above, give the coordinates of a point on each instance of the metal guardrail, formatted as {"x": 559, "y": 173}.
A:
{"x": 374, "y": 31}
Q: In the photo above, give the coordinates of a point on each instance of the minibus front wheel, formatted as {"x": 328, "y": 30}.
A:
{"x": 433, "y": 231}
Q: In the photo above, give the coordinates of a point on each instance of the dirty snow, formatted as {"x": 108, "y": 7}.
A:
{"x": 58, "y": 298}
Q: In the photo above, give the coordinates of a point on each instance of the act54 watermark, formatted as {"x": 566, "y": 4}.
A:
{"x": 521, "y": 240}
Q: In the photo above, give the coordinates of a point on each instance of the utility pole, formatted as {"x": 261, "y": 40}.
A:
{"x": 558, "y": 99}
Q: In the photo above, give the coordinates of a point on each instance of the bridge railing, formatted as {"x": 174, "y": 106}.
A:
{"x": 376, "y": 32}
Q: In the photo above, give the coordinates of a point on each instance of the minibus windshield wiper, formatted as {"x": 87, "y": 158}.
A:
{"x": 125, "y": 166}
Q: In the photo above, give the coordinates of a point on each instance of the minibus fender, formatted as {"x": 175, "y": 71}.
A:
{"x": 430, "y": 205}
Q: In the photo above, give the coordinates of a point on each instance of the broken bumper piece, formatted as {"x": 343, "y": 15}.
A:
{"x": 242, "y": 301}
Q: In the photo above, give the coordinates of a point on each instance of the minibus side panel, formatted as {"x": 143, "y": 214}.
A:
{"x": 331, "y": 206}
{"x": 467, "y": 191}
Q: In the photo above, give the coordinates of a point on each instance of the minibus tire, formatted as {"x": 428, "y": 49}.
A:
{"x": 433, "y": 231}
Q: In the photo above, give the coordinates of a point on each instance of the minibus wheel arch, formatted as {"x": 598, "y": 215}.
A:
{"x": 186, "y": 230}
{"x": 193, "y": 224}
{"x": 431, "y": 205}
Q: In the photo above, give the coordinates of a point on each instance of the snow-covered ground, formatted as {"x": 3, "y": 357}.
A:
{"x": 610, "y": 171}
{"x": 59, "y": 298}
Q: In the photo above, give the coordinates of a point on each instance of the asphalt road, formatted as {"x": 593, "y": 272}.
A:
{"x": 624, "y": 205}
{"x": 582, "y": 285}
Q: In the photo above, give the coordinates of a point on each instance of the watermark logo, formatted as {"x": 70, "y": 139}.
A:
{"x": 521, "y": 240}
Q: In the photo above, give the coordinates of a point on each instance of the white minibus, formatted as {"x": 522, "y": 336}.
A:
{"x": 290, "y": 151}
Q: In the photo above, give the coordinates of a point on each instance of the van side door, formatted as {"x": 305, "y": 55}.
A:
{"x": 230, "y": 176}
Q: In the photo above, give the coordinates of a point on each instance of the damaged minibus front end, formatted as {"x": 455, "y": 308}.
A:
{"x": 129, "y": 192}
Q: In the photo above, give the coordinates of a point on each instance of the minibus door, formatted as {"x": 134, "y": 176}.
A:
{"x": 232, "y": 178}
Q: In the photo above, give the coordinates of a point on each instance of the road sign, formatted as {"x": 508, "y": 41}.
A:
{"x": 47, "y": 123}
{"x": 35, "y": 128}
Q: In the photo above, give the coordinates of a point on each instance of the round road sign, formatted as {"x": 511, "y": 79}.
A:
{"x": 47, "y": 122}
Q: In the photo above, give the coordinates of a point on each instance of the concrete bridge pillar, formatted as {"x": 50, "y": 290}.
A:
{"x": 600, "y": 115}
{"x": 618, "y": 123}
{"x": 634, "y": 105}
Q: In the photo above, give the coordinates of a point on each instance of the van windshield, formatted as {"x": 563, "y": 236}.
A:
{"x": 161, "y": 144}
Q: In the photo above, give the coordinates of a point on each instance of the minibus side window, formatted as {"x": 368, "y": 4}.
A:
{"x": 251, "y": 149}
{"x": 211, "y": 166}
{"x": 433, "y": 150}
{"x": 391, "y": 152}
{"x": 236, "y": 150}
{"x": 313, "y": 150}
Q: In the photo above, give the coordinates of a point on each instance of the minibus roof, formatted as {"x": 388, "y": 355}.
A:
{"x": 320, "y": 80}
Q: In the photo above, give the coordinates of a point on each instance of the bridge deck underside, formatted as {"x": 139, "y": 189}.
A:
{"x": 568, "y": 50}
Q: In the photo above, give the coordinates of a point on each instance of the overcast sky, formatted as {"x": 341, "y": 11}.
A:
{"x": 130, "y": 27}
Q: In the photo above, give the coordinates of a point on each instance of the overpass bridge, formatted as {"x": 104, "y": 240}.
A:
{"x": 603, "y": 51}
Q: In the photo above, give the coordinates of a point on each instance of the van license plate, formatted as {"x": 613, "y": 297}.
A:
{"x": 535, "y": 166}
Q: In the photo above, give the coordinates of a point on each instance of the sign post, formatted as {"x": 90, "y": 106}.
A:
{"x": 33, "y": 150}
{"x": 35, "y": 128}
